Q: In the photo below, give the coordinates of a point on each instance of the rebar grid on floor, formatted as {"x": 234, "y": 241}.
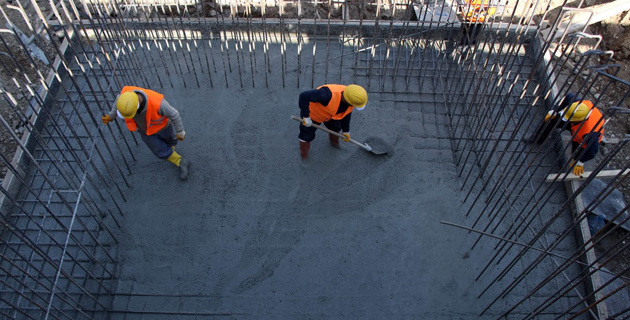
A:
{"x": 58, "y": 247}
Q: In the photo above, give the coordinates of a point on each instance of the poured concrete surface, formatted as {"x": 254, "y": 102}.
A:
{"x": 256, "y": 233}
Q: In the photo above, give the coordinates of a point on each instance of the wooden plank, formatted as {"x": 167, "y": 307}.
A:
{"x": 589, "y": 16}
{"x": 558, "y": 177}
{"x": 612, "y": 140}
{"x": 594, "y": 282}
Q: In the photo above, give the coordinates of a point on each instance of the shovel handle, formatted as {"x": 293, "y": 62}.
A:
{"x": 364, "y": 146}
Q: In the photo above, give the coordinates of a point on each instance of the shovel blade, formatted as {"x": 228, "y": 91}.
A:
{"x": 377, "y": 146}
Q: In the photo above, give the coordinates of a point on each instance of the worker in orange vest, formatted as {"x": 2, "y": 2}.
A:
{"x": 157, "y": 122}
{"x": 332, "y": 105}
{"x": 586, "y": 123}
{"x": 474, "y": 13}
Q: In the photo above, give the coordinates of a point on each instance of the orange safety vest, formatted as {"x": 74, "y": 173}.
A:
{"x": 594, "y": 124}
{"x": 321, "y": 113}
{"x": 478, "y": 10}
{"x": 155, "y": 121}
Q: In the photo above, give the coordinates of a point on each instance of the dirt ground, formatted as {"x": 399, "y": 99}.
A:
{"x": 12, "y": 110}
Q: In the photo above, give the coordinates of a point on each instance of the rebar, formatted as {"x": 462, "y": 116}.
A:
{"x": 491, "y": 93}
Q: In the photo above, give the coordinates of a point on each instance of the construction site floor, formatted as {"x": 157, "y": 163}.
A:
{"x": 256, "y": 232}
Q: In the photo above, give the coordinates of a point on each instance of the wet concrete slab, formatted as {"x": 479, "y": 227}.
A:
{"x": 346, "y": 233}
{"x": 257, "y": 233}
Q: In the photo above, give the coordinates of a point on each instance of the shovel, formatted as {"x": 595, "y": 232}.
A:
{"x": 382, "y": 149}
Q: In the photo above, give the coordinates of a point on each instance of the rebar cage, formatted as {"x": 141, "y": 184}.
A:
{"x": 64, "y": 192}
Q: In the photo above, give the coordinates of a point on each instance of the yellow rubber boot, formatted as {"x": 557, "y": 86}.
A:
{"x": 175, "y": 158}
{"x": 183, "y": 164}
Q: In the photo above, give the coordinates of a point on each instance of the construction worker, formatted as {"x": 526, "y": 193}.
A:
{"x": 332, "y": 105}
{"x": 474, "y": 13}
{"x": 157, "y": 122}
{"x": 585, "y": 123}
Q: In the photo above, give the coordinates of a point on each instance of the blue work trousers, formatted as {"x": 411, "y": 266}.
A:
{"x": 308, "y": 133}
{"x": 161, "y": 142}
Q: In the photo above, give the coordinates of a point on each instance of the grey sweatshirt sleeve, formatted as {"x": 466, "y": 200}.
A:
{"x": 112, "y": 113}
{"x": 168, "y": 111}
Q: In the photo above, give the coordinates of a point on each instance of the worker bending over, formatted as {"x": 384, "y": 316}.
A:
{"x": 157, "y": 122}
{"x": 586, "y": 123}
{"x": 332, "y": 105}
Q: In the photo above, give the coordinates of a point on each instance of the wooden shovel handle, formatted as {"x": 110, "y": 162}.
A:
{"x": 364, "y": 146}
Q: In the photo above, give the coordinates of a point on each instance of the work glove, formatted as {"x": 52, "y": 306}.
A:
{"x": 578, "y": 169}
{"x": 181, "y": 135}
{"x": 550, "y": 115}
{"x": 307, "y": 122}
{"x": 346, "y": 136}
{"x": 106, "y": 118}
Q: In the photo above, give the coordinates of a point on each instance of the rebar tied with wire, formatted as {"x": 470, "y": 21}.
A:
{"x": 58, "y": 256}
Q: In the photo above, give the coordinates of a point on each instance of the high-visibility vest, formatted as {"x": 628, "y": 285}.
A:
{"x": 593, "y": 124}
{"x": 321, "y": 113}
{"x": 155, "y": 121}
{"x": 478, "y": 10}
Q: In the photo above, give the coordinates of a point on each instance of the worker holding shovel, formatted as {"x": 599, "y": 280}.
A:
{"x": 157, "y": 122}
{"x": 332, "y": 105}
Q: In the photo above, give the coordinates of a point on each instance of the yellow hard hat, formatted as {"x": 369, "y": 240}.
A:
{"x": 576, "y": 112}
{"x": 127, "y": 104}
{"x": 356, "y": 96}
